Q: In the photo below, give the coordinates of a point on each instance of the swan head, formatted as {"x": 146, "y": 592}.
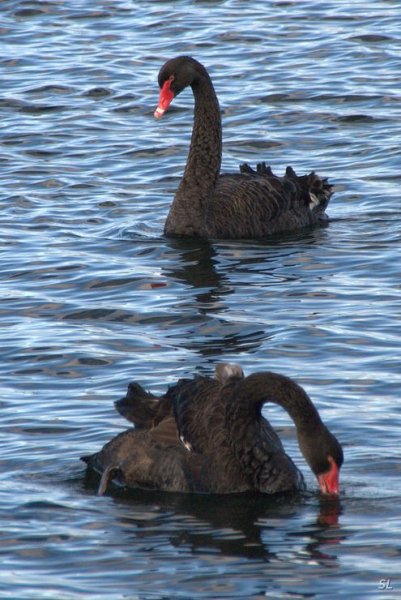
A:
{"x": 324, "y": 455}
{"x": 174, "y": 76}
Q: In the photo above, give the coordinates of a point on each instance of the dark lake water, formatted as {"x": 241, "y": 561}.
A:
{"x": 93, "y": 296}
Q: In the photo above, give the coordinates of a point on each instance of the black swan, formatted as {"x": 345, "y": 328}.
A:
{"x": 249, "y": 204}
{"x": 208, "y": 435}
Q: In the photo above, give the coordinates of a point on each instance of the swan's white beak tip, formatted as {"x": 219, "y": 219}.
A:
{"x": 159, "y": 112}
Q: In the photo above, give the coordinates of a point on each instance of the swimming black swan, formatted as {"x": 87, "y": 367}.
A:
{"x": 249, "y": 204}
{"x": 208, "y": 435}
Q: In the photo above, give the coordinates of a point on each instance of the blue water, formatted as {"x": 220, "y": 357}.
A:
{"x": 93, "y": 296}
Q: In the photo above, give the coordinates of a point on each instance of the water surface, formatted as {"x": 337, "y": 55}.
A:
{"x": 93, "y": 296}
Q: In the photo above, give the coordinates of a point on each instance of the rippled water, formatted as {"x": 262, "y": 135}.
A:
{"x": 93, "y": 295}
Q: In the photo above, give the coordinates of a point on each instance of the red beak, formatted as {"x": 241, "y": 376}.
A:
{"x": 329, "y": 481}
{"x": 165, "y": 98}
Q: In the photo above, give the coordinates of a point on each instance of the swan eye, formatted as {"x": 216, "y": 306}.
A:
{"x": 171, "y": 80}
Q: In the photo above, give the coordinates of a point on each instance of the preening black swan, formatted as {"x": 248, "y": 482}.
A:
{"x": 249, "y": 204}
{"x": 208, "y": 435}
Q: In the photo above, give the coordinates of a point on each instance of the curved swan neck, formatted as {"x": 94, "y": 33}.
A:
{"x": 244, "y": 414}
{"x": 188, "y": 212}
{"x": 259, "y": 388}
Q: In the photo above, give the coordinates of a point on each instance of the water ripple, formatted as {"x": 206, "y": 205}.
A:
{"x": 93, "y": 296}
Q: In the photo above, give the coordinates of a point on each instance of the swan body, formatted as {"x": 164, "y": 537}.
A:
{"x": 208, "y": 435}
{"x": 248, "y": 204}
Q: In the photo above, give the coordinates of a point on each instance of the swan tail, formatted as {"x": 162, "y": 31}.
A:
{"x": 315, "y": 191}
{"x": 140, "y": 407}
{"x": 261, "y": 169}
